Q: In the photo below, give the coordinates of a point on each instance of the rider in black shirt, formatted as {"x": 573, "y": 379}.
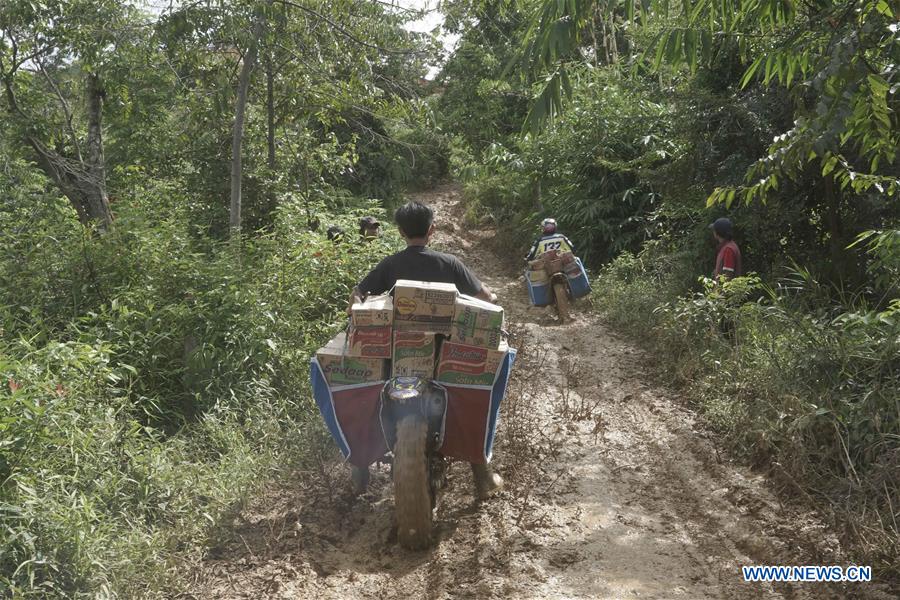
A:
{"x": 417, "y": 262}
{"x": 416, "y": 224}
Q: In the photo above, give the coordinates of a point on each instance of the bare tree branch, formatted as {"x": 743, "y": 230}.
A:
{"x": 65, "y": 106}
{"x": 347, "y": 34}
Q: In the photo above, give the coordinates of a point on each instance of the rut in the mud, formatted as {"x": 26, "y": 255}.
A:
{"x": 613, "y": 491}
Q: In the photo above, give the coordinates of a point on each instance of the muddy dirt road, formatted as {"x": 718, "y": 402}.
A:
{"x": 613, "y": 491}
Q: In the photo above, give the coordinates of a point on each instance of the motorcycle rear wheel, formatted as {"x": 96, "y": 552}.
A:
{"x": 561, "y": 294}
{"x": 412, "y": 495}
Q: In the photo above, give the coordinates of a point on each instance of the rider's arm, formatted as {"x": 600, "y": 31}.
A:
{"x": 468, "y": 284}
{"x": 486, "y": 294}
{"x": 356, "y": 297}
{"x": 571, "y": 245}
{"x": 533, "y": 251}
{"x": 373, "y": 283}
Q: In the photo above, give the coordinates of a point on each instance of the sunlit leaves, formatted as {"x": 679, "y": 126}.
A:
{"x": 845, "y": 53}
{"x": 842, "y": 55}
{"x": 554, "y": 36}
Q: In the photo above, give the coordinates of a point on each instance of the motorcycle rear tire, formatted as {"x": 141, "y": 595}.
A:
{"x": 412, "y": 495}
{"x": 561, "y": 294}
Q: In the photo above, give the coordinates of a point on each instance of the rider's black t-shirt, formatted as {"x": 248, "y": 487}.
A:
{"x": 418, "y": 263}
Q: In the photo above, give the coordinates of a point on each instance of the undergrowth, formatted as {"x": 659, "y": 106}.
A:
{"x": 151, "y": 378}
{"x": 799, "y": 379}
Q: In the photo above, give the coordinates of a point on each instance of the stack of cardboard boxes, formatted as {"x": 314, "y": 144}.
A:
{"x": 340, "y": 368}
{"x": 550, "y": 263}
{"x": 476, "y": 346}
{"x": 371, "y": 326}
{"x": 426, "y": 330}
{"x": 422, "y": 310}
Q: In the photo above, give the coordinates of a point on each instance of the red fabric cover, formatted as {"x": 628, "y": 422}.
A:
{"x": 357, "y": 413}
{"x": 465, "y": 428}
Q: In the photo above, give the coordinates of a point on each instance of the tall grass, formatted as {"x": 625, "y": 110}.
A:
{"x": 806, "y": 387}
{"x": 149, "y": 379}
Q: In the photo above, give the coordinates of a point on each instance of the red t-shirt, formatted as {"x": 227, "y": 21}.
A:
{"x": 728, "y": 260}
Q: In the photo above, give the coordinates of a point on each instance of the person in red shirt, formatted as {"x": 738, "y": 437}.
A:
{"x": 728, "y": 255}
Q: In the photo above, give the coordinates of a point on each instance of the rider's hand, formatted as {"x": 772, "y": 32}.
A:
{"x": 493, "y": 298}
{"x": 355, "y": 298}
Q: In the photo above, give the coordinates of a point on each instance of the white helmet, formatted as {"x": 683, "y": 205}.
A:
{"x": 548, "y": 225}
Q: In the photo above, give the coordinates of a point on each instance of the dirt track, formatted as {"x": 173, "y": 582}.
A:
{"x": 613, "y": 491}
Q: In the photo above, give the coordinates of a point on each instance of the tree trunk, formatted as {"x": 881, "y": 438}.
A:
{"x": 270, "y": 112}
{"x": 77, "y": 183}
{"x": 614, "y": 47}
{"x": 83, "y": 183}
{"x": 834, "y": 222}
{"x": 95, "y": 194}
{"x": 536, "y": 195}
{"x": 238, "y": 131}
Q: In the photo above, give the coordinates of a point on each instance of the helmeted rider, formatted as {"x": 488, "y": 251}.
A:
{"x": 549, "y": 240}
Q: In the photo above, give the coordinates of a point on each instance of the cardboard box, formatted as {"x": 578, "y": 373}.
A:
{"x": 375, "y": 311}
{"x": 538, "y": 277}
{"x": 372, "y": 342}
{"x": 341, "y": 369}
{"x": 442, "y": 326}
{"x": 469, "y": 365}
{"x": 472, "y": 313}
{"x": 567, "y": 258}
{"x": 483, "y": 338}
{"x": 554, "y": 266}
{"x": 414, "y": 354}
{"x": 572, "y": 269}
{"x": 424, "y": 306}
{"x": 477, "y": 323}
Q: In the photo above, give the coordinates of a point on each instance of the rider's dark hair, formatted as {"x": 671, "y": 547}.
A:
{"x": 335, "y": 233}
{"x": 414, "y": 219}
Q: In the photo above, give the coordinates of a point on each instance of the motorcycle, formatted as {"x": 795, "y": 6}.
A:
{"x": 419, "y": 422}
{"x": 553, "y": 284}
{"x": 559, "y": 286}
{"x": 412, "y": 416}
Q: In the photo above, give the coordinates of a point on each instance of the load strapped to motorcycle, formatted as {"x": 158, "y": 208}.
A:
{"x": 554, "y": 278}
{"x": 420, "y": 374}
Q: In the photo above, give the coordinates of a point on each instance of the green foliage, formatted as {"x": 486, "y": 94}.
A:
{"x": 839, "y": 58}
{"x": 594, "y": 170}
{"x": 883, "y": 247}
{"x": 555, "y": 35}
{"x": 598, "y": 165}
{"x": 478, "y": 104}
{"x": 156, "y": 384}
{"x": 333, "y": 85}
{"x": 788, "y": 377}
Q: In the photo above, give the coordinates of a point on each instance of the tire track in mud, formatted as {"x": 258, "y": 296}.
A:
{"x": 613, "y": 490}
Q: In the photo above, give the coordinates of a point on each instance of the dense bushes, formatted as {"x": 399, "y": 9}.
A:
{"x": 796, "y": 365}
{"x": 154, "y": 353}
{"x": 792, "y": 379}
{"x": 150, "y": 377}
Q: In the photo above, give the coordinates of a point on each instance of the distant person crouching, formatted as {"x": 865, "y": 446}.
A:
{"x": 369, "y": 228}
{"x": 335, "y": 234}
